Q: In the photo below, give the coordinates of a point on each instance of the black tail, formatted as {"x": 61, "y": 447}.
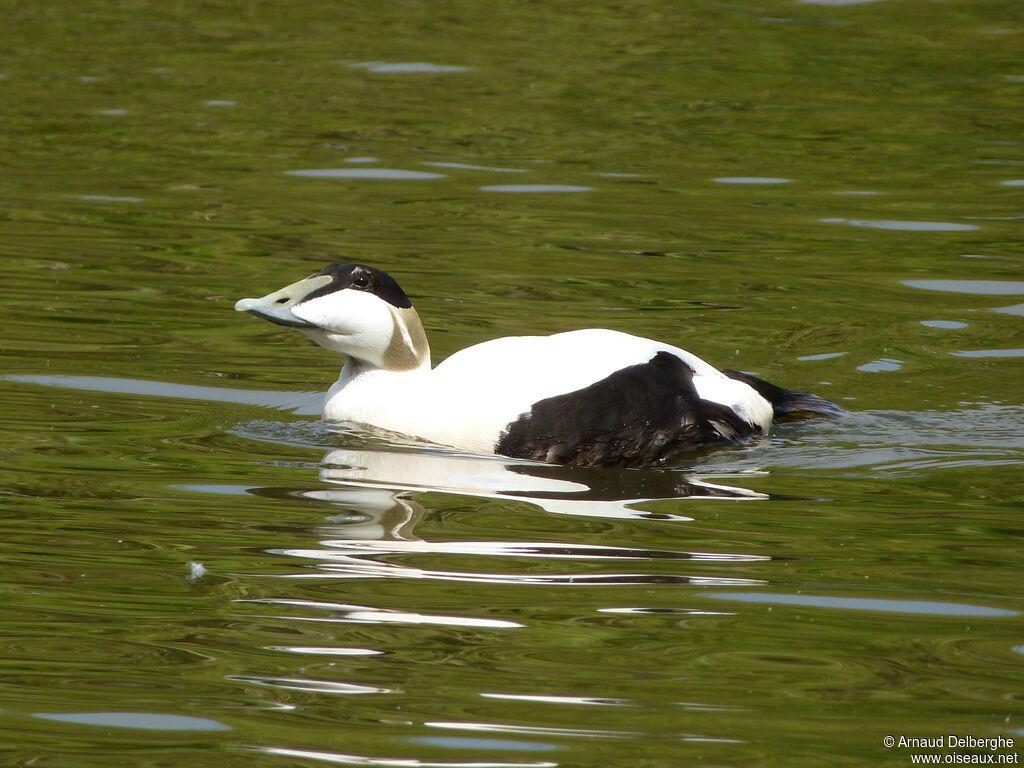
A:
{"x": 786, "y": 401}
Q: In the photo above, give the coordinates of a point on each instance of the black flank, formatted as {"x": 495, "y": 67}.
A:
{"x": 362, "y": 278}
{"x": 635, "y": 417}
{"x": 786, "y": 401}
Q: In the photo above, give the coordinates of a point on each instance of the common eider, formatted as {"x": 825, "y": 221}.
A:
{"x": 590, "y": 397}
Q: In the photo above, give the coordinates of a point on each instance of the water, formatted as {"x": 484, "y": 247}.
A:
{"x": 198, "y": 572}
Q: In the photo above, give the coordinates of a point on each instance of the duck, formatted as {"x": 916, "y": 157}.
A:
{"x": 592, "y": 397}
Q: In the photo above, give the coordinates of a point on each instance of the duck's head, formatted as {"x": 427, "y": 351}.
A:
{"x": 354, "y": 310}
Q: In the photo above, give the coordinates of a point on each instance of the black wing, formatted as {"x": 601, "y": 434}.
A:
{"x": 634, "y": 417}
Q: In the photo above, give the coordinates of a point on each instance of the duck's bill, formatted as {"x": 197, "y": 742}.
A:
{"x": 277, "y": 307}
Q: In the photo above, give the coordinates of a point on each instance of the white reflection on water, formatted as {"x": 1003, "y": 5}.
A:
{"x": 310, "y": 686}
{"x": 319, "y": 650}
{"x": 404, "y": 67}
{"x": 107, "y": 198}
{"x": 469, "y": 167}
{"x": 822, "y": 356}
{"x": 989, "y": 353}
{"x": 883, "y": 364}
{"x": 386, "y": 174}
{"x": 1016, "y": 309}
{"x": 531, "y": 730}
{"x": 560, "y": 490}
{"x": 949, "y": 325}
{"x": 528, "y": 188}
{"x": 887, "y": 605}
{"x": 751, "y": 180}
{"x": 835, "y": 2}
{"x": 571, "y": 700}
{"x": 339, "y": 758}
{"x": 464, "y": 742}
{"x": 298, "y": 402}
{"x": 904, "y": 226}
{"x": 343, "y": 613}
{"x": 141, "y": 720}
{"x": 979, "y": 287}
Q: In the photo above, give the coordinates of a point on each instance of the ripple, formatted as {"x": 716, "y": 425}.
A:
{"x": 389, "y": 174}
{"x": 1016, "y": 309}
{"x": 310, "y": 686}
{"x": 882, "y": 364}
{"x": 526, "y": 188}
{"x": 339, "y": 758}
{"x": 573, "y": 700}
{"x": 823, "y": 356}
{"x": 857, "y": 192}
{"x": 365, "y": 159}
{"x": 220, "y": 103}
{"x": 107, "y": 198}
{"x": 751, "y": 180}
{"x": 921, "y": 607}
{"x": 529, "y": 549}
{"x": 950, "y": 325}
{"x": 139, "y": 720}
{"x": 299, "y": 402}
{"x": 531, "y": 730}
{"x": 461, "y": 742}
{"x": 989, "y": 353}
{"x": 664, "y": 611}
{"x": 405, "y": 67}
{"x": 904, "y": 226}
{"x": 342, "y": 566}
{"x": 980, "y": 287}
{"x": 317, "y": 650}
{"x": 363, "y": 614}
{"x": 1013, "y": 183}
{"x": 111, "y": 112}
{"x": 469, "y": 167}
{"x": 835, "y": 2}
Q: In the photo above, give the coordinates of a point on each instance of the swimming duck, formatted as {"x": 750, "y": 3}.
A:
{"x": 590, "y": 397}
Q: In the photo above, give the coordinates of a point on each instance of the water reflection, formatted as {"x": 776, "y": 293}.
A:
{"x": 887, "y": 605}
{"x": 591, "y": 492}
{"x": 989, "y": 353}
{"x": 469, "y": 167}
{"x": 751, "y": 180}
{"x": 339, "y": 758}
{"x": 141, "y": 720}
{"x": 904, "y": 226}
{"x": 404, "y": 67}
{"x": 948, "y": 325}
{"x": 980, "y": 287}
{"x": 527, "y": 188}
{"x": 391, "y": 174}
{"x": 883, "y": 364}
{"x": 341, "y": 613}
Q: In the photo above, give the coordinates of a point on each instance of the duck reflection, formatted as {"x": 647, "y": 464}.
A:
{"x": 376, "y": 490}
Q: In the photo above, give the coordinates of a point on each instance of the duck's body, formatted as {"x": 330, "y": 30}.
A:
{"x": 592, "y": 397}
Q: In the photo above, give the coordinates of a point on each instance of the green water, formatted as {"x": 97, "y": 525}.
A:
{"x": 195, "y": 572}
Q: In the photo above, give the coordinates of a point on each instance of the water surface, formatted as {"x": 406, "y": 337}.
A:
{"x": 197, "y": 571}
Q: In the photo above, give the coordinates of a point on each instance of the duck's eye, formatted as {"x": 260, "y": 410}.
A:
{"x": 361, "y": 281}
